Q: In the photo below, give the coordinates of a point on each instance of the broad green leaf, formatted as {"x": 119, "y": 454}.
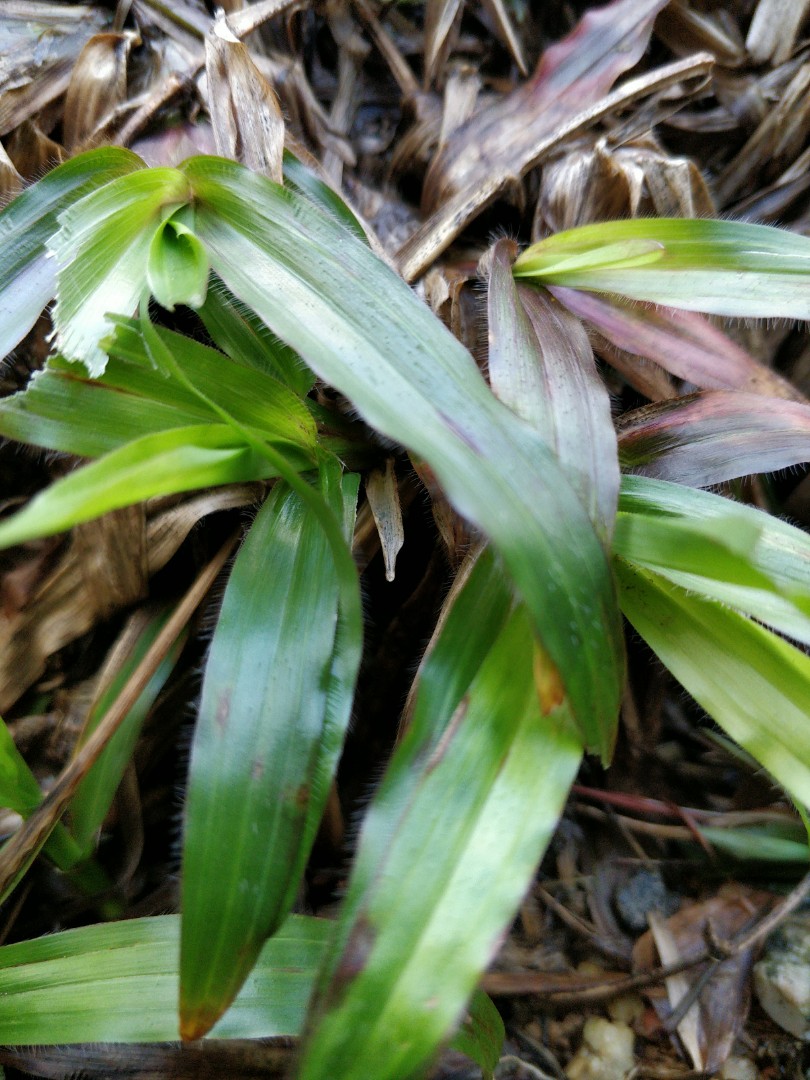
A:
{"x": 448, "y": 845}
{"x": 541, "y": 365}
{"x": 102, "y": 251}
{"x": 182, "y": 459}
{"x": 722, "y": 267}
{"x": 118, "y": 982}
{"x": 92, "y": 801}
{"x": 708, "y": 438}
{"x": 255, "y": 399}
{"x": 320, "y": 290}
{"x": 267, "y": 741}
{"x": 27, "y": 276}
{"x": 754, "y": 684}
{"x": 304, "y": 180}
{"x": 236, "y": 330}
{"x": 177, "y": 267}
{"x": 717, "y": 548}
{"x": 63, "y": 409}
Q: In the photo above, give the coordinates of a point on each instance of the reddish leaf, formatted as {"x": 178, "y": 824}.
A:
{"x": 686, "y": 343}
{"x": 714, "y": 436}
{"x": 541, "y": 365}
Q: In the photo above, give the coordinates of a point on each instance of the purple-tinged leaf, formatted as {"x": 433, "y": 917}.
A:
{"x": 714, "y": 436}
{"x": 541, "y": 365}
{"x": 686, "y": 343}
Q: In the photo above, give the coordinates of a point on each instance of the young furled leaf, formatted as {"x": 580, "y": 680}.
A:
{"x": 720, "y": 267}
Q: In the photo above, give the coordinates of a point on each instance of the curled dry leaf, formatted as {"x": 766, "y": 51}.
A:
{"x": 602, "y": 184}
{"x": 245, "y": 113}
{"x": 32, "y": 151}
{"x": 97, "y": 85}
{"x": 383, "y": 497}
{"x": 103, "y": 571}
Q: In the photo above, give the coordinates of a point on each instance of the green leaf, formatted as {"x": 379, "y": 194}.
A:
{"x": 254, "y": 399}
{"x": 177, "y": 267}
{"x": 717, "y": 548}
{"x": 19, "y": 791}
{"x": 92, "y": 801}
{"x": 236, "y": 330}
{"x": 304, "y": 180}
{"x": 63, "y": 410}
{"x": 757, "y": 845}
{"x": 448, "y": 846}
{"x": 322, "y": 291}
{"x": 118, "y": 982}
{"x": 102, "y": 251}
{"x": 267, "y": 741}
{"x": 163, "y": 464}
{"x": 723, "y": 267}
{"x": 482, "y": 1034}
{"x": 27, "y": 276}
{"x": 754, "y": 684}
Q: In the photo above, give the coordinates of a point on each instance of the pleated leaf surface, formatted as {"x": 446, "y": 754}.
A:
{"x": 268, "y": 736}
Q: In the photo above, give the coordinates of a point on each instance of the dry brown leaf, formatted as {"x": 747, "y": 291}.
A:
{"x": 441, "y": 16}
{"x": 774, "y": 29}
{"x": 505, "y": 30}
{"x": 39, "y": 43}
{"x": 777, "y": 141}
{"x": 711, "y": 1025}
{"x": 382, "y": 493}
{"x": 170, "y": 522}
{"x": 103, "y": 570}
{"x": 11, "y": 183}
{"x": 98, "y": 84}
{"x": 245, "y": 113}
{"x": 32, "y": 151}
{"x": 686, "y": 31}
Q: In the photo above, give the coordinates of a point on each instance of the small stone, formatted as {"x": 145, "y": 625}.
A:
{"x": 643, "y": 893}
{"x": 626, "y": 1009}
{"x": 739, "y": 1068}
{"x": 606, "y": 1052}
{"x": 782, "y": 976}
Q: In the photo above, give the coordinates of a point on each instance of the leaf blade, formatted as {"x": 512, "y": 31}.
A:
{"x": 268, "y": 735}
{"x": 724, "y": 267}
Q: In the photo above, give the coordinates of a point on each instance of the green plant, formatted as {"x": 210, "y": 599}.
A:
{"x": 526, "y": 667}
